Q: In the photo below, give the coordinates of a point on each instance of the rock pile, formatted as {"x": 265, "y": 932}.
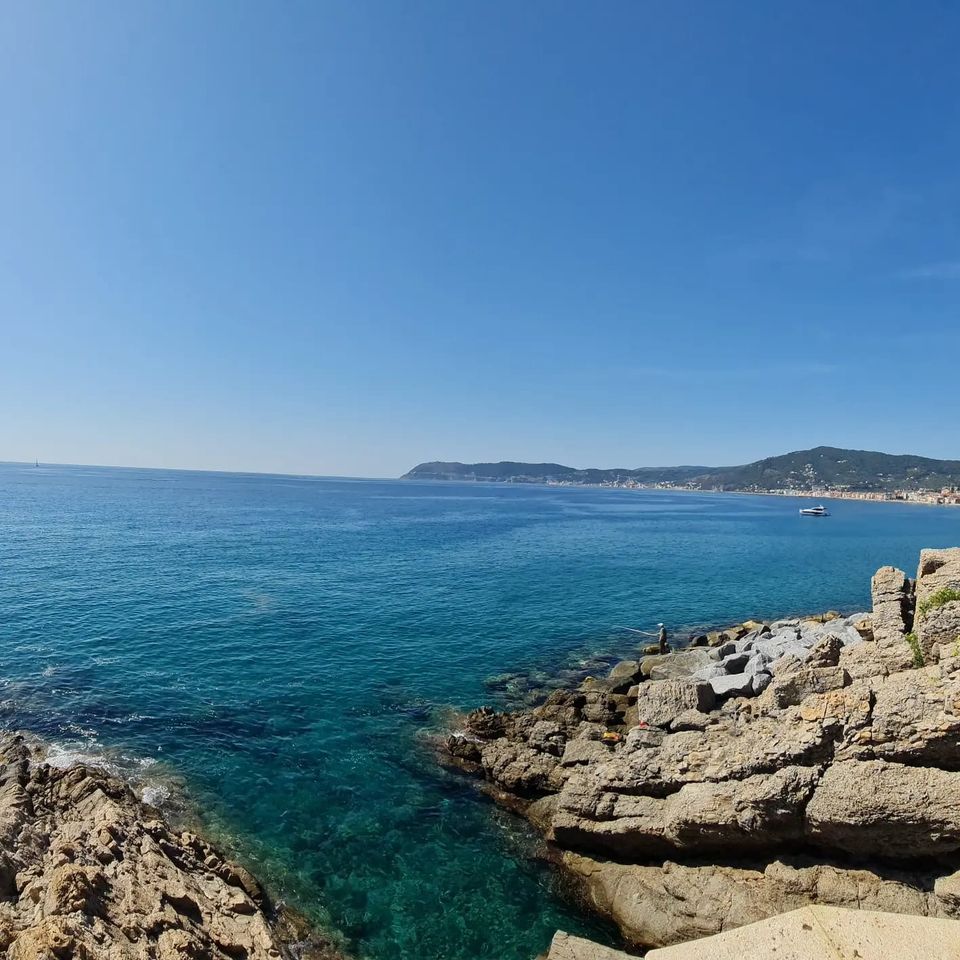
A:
{"x": 802, "y": 762}
{"x": 88, "y": 872}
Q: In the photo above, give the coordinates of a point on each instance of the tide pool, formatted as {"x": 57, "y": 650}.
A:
{"x": 285, "y": 646}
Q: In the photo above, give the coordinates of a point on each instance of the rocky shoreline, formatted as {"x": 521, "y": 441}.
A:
{"x": 778, "y": 765}
{"x": 87, "y": 870}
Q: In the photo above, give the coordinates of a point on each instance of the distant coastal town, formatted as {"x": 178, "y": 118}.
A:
{"x": 822, "y": 473}
{"x": 947, "y": 496}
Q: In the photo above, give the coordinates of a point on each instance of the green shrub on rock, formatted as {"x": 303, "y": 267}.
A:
{"x": 918, "y": 660}
{"x": 938, "y": 599}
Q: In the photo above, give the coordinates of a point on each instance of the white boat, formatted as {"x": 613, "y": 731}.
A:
{"x": 820, "y": 511}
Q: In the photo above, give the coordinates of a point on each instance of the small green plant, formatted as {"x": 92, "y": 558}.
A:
{"x": 938, "y": 599}
{"x": 918, "y": 660}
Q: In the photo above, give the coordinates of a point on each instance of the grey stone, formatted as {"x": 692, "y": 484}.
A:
{"x": 757, "y": 664}
{"x": 735, "y": 685}
{"x": 735, "y": 662}
{"x": 708, "y": 673}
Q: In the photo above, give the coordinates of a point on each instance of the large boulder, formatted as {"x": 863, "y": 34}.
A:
{"x": 938, "y": 630}
{"x": 915, "y": 720}
{"x": 670, "y": 902}
{"x": 624, "y": 675}
{"x": 758, "y": 812}
{"x": 519, "y": 768}
{"x": 733, "y": 685}
{"x": 661, "y": 701}
{"x": 791, "y": 687}
{"x": 938, "y": 570}
{"x": 870, "y": 807}
{"x": 676, "y": 666}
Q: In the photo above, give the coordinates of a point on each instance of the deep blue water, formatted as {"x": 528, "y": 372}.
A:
{"x": 284, "y": 645}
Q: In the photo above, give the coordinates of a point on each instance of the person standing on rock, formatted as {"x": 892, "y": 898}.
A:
{"x": 661, "y": 636}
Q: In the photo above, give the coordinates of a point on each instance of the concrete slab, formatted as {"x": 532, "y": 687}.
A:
{"x": 566, "y": 947}
{"x": 827, "y": 933}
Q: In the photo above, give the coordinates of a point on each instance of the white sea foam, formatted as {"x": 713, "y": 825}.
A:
{"x": 131, "y": 769}
{"x": 62, "y": 756}
{"x": 156, "y": 795}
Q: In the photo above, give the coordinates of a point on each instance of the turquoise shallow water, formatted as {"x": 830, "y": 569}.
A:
{"x": 284, "y": 645}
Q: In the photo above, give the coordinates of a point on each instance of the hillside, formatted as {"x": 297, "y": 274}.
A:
{"x": 838, "y": 469}
{"x": 801, "y": 470}
{"x": 510, "y": 471}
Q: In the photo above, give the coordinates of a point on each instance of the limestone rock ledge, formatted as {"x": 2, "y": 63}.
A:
{"x": 87, "y": 871}
{"x": 793, "y": 763}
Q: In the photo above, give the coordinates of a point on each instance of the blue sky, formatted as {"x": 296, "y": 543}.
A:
{"x": 344, "y": 237}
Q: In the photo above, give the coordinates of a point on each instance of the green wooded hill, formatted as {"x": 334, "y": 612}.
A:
{"x": 802, "y": 469}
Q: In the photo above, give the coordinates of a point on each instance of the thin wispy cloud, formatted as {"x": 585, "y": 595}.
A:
{"x": 944, "y": 270}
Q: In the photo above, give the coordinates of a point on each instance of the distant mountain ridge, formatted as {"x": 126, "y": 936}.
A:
{"x": 801, "y": 470}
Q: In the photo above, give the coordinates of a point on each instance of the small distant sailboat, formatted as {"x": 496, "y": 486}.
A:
{"x": 819, "y": 511}
{"x": 37, "y": 463}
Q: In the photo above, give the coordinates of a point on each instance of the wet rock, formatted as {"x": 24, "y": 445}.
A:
{"x": 519, "y": 769}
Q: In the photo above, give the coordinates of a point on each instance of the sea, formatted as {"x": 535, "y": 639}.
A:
{"x": 284, "y": 651}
